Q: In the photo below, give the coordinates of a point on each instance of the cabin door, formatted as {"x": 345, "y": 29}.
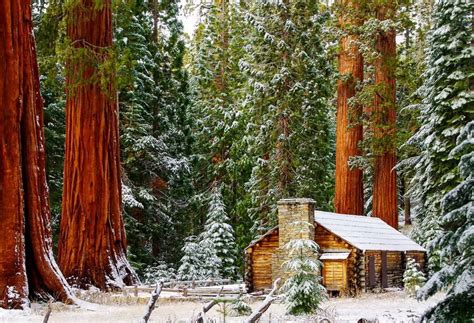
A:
{"x": 334, "y": 275}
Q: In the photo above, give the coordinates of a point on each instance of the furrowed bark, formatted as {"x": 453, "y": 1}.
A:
{"x": 349, "y": 197}
{"x": 27, "y": 266}
{"x": 384, "y": 119}
{"x": 92, "y": 245}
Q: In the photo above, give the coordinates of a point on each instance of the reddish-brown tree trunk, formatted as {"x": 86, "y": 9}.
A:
{"x": 92, "y": 245}
{"x": 384, "y": 123}
{"x": 27, "y": 266}
{"x": 349, "y": 196}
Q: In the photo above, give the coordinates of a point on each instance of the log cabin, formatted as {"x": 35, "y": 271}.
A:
{"x": 358, "y": 253}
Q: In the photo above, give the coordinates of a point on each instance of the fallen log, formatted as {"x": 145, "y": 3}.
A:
{"x": 151, "y": 303}
{"x": 255, "y": 316}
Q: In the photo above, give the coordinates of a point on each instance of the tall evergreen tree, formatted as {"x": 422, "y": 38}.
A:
{"x": 444, "y": 111}
{"x": 445, "y": 178}
{"x": 155, "y": 131}
{"x": 27, "y": 266}
{"x": 290, "y": 127}
{"x": 349, "y": 195}
{"x": 220, "y": 157}
{"x": 48, "y": 34}
{"x": 92, "y": 244}
{"x": 456, "y": 241}
{"x": 383, "y": 117}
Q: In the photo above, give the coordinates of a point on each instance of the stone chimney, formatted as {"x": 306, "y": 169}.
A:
{"x": 290, "y": 211}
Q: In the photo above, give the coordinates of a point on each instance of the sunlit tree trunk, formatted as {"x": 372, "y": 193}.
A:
{"x": 27, "y": 266}
{"x": 384, "y": 123}
{"x": 349, "y": 198}
{"x": 92, "y": 245}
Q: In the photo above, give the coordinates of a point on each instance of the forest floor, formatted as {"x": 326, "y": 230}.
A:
{"x": 392, "y": 306}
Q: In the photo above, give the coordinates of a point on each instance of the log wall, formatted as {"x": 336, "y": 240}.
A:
{"x": 395, "y": 267}
{"x": 329, "y": 242}
{"x": 261, "y": 257}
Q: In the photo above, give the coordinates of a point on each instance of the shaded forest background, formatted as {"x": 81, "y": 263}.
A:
{"x": 217, "y": 126}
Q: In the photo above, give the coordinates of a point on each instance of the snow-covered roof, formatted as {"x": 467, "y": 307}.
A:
{"x": 366, "y": 233}
{"x": 334, "y": 256}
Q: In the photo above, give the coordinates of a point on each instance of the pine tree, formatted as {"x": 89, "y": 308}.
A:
{"x": 220, "y": 151}
{"x": 413, "y": 278}
{"x": 211, "y": 264}
{"x": 290, "y": 128}
{"x": 190, "y": 262}
{"x": 160, "y": 272}
{"x": 445, "y": 109}
{"x": 155, "y": 132}
{"x": 199, "y": 261}
{"x": 303, "y": 290}
{"x": 456, "y": 241}
{"x": 410, "y": 67}
{"x": 219, "y": 232}
{"x": 240, "y": 308}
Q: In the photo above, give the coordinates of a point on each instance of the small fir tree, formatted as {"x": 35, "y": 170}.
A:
{"x": 413, "y": 278}
{"x": 199, "y": 261}
{"x": 240, "y": 308}
{"x": 161, "y": 272}
{"x": 303, "y": 289}
{"x": 211, "y": 264}
{"x": 190, "y": 262}
{"x": 220, "y": 233}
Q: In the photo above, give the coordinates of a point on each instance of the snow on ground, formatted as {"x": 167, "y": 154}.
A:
{"x": 392, "y": 306}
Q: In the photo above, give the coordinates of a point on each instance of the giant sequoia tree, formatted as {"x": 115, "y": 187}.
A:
{"x": 383, "y": 118}
{"x": 349, "y": 196}
{"x": 27, "y": 266}
{"x": 92, "y": 245}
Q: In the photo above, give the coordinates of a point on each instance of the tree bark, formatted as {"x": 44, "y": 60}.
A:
{"x": 27, "y": 266}
{"x": 92, "y": 245}
{"x": 349, "y": 196}
{"x": 384, "y": 123}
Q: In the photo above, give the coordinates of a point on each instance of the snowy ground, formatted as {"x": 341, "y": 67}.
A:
{"x": 386, "y": 307}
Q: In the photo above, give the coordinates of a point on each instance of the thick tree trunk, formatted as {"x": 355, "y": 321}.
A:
{"x": 349, "y": 196}
{"x": 92, "y": 245}
{"x": 384, "y": 123}
{"x": 27, "y": 266}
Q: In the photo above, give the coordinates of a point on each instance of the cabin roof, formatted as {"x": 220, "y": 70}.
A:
{"x": 366, "y": 233}
{"x": 362, "y": 232}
